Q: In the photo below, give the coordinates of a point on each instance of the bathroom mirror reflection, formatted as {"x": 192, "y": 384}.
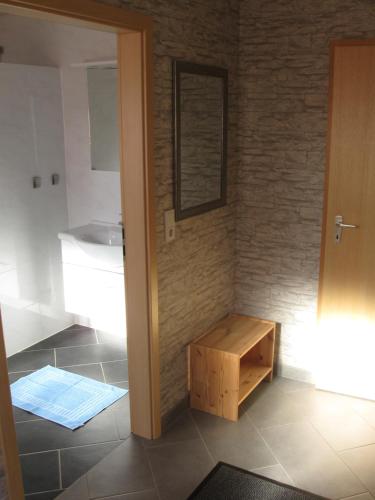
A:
{"x": 104, "y": 140}
{"x": 200, "y": 94}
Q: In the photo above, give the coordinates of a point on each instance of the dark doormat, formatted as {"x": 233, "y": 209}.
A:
{"x": 226, "y": 482}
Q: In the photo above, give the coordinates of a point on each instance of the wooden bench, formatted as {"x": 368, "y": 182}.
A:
{"x": 228, "y": 362}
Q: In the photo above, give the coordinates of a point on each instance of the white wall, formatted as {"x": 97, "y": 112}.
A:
{"x": 31, "y": 144}
{"x": 92, "y": 195}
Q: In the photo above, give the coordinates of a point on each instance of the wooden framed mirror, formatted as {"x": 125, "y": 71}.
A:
{"x": 200, "y": 137}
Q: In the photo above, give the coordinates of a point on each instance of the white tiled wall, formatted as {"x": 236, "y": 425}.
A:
{"x": 92, "y": 195}
{"x": 31, "y": 144}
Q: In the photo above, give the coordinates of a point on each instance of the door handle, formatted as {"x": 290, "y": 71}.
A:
{"x": 339, "y": 225}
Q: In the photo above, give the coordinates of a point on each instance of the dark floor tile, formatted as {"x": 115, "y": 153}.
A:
{"x": 123, "y": 385}
{"x": 121, "y": 404}
{"x": 93, "y": 371}
{"x": 13, "y": 377}
{"x": 78, "y": 491}
{"x": 107, "y": 338}
{"x": 40, "y": 472}
{"x": 268, "y": 406}
{"x": 23, "y": 416}
{"x": 75, "y": 462}
{"x": 237, "y": 443}
{"x": 125, "y": 470}
{"x": 78, "y": 336}
{"x": 70, "y": 356}
{"x": 122, "y": 418}
{"x": 179, "y": 468}
{"x": 288, "y": 385}
{"x": 363, "y": 496}
{"x": 30, "y": 360}
{"x": 42, "y": 435}
{"x": 310, "y": 462}
{"x": 181, "y": 429}
{"x": 362, "y": 462}
{"x": 342, "y": 433}
{"x": 275, "y": 472}
{"x": 47, "y": 495}
{"x": 115, "y": 371}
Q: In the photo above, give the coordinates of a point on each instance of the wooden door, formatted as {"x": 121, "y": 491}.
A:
{"x": 8, "y": 443}
{"x": 346, "y": 345}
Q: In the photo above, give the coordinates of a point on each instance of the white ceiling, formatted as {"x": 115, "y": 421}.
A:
{"x": 32, "y": 41}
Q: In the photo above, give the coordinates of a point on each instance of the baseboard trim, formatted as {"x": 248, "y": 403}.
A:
{"x": 294, "y": 373}
{"x": 175, "y": 412}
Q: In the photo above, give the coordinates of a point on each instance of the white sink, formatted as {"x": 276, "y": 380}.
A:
{"x": 102, "y": 245}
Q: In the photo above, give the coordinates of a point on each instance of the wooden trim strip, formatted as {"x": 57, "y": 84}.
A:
{"x": 8, "y": 438}
{"x": 85, "y": 10}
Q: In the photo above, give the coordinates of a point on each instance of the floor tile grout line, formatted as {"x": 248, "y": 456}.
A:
{"x": 115, "y": 361}
{"x": 60, "y": 470}
{"x": 171, "y": 443}
{"x": 97, "y": 363}
{"x": 63, "y": 347}
{"x": 96, "y": 336}
{"x": 121, "y": 495}
{"x": 71, "y": 366}
{"x": 269, "y": 448}
{"x": 73, "y": 447}
{"x": 101, "y": 367}
{"x": 40, "y": 493}
{"x": 202, "y": 439}
{"x": 156, "y": 487}
{"x": 354, "y": 448}
{"x": 31, "y": 420}
{"x": 267, "y": 427}
{"x": 82, "y": 345}
{"x": 337, "y": 452}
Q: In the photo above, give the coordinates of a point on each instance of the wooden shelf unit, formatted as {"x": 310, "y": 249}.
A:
{"x": 228, "y": 362}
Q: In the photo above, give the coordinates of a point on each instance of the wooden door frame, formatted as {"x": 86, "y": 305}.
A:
{"x": 324, "y": 236}
{"x": 135, "y": 33}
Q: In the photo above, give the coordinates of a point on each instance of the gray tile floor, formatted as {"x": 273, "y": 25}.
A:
{"x": 288, "y": 431}
{"x": 53, "y": 457}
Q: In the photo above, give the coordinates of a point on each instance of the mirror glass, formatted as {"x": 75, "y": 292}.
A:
{"x": 200, "y": 134}
{"x": 104, "y": 131}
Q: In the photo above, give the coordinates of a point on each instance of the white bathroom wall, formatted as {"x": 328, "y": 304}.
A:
{"x": 92, "y": 195}
{"x": 31, "y": 144}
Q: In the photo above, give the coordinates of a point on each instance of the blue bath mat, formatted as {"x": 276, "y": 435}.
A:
{"x": 63, "y": 397}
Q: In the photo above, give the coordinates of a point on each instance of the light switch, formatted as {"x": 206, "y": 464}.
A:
{"x": 170, "y": 225}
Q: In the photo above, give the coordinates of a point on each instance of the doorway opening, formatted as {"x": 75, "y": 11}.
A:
{"x": 62, "y": 286}
{"x": 62, "y": 257}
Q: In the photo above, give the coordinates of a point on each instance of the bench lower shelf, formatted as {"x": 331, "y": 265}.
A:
{"x": 251, "y": 375}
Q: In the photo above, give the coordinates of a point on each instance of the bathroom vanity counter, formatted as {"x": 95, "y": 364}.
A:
{"x": 93, "y": 271}
{"x": 98, "y": 245}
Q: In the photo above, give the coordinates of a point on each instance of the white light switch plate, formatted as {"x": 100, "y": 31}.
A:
{"x": 169, "y": 225}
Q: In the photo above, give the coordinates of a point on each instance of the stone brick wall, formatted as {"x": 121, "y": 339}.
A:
{"x": 196, "y": 271}
{"x": 283, "y": 79}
